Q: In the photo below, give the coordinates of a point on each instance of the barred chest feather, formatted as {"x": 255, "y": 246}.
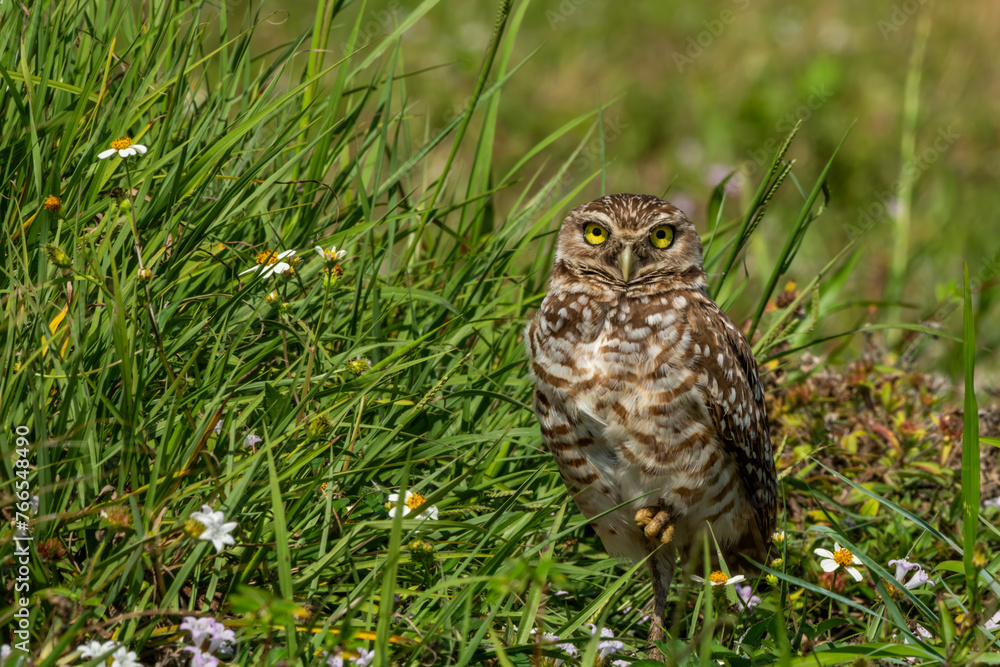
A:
{"x": 625, "y": 388}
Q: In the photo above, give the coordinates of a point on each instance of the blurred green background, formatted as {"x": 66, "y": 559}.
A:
{"x": 693, "y": 91}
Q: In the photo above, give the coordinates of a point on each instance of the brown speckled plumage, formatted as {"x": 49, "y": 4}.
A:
{"x": 647, "y": 393}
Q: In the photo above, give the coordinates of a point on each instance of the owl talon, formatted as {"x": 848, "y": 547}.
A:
{"x": 655, "y": 525}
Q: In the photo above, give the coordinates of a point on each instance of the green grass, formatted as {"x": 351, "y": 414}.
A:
{"x": 129, "y": 331}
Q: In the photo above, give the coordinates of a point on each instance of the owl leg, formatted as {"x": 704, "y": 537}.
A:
{"x": 656, "y": 524}
{"x": 661, "y": 570}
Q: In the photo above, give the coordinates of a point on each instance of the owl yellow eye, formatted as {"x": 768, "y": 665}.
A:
{"x": 661, "y": 237}
{"x": 594, "y": 234}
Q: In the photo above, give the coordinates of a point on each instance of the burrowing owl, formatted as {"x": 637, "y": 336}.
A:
{"x": 647, "y": 394}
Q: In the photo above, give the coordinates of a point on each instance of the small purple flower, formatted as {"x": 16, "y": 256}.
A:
{"x": 568, "y": 649}
{"x": 6, "y": 651}
{"x": 684, "y": 203}
{"x": 746, "y": 600}
{"x": 919, "y": 579}
{"x": 96, "y": 649}
{"x": 251, "y": 442}
{"x": 643, "y": 618}
{"x": 201, "y": 659}
{"x": 904, "y": 567}
{"x": 209, "y": 629}
{"x": 606, "y": 646}
{"x": 122, "y": 657}
{"x": 364, "y": 658}
{"x": 994, "y": 622}
{"x": 992, "y": 502}
{"x": 200, "y": 628}
{"x": 217, "y": 429}
{"x": 894, "y": 207}
{"x": 919, "y": 631}
{"x": 718, "y": 173}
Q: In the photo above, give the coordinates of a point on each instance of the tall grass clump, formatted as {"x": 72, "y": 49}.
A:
{"x": 265, "y": 392}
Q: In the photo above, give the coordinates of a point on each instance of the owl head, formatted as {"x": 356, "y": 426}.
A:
{"x": 630, "y": 242}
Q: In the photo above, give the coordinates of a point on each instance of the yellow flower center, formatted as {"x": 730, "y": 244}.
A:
{"x": 843, "y": 557}
{"x": 718, "y": 578}
{"x": 415, "y": 500}
{"x": 121, "y": 144}
{"x": 267, "y": 257}
{"x": 52, "y": 203}
{"x": 193, "y": 527}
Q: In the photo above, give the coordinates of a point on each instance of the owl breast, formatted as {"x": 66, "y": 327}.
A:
{"x": 625, "y": 395}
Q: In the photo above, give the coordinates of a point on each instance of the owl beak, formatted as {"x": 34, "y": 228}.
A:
{"x": 625, "y": 259}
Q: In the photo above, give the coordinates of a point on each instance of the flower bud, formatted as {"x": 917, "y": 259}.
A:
{"x": 318, "y": 426}
{"x": 57, "y": 256}
{"x": 359, "y": 366}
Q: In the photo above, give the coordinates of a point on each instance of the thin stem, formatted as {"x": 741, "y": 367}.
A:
{"x": 131, "y": 212}
{"x": 829, "y": 611}
{"x": 149, "y": 297}
{"x": 315, "y": 342}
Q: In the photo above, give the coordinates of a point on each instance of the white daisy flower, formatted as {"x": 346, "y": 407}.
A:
{"x": 124, "y": 147}
{"x": 332, "y": 255}
{"x": 216, "y": 528}
{"x": 412, "y": 502}
{"x": 720, "y": 578}
{"x": 271, "y": 263}
{"x": 839, "y": 558}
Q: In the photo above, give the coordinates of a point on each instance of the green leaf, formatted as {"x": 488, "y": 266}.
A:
{"x": 970, "y": 450}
